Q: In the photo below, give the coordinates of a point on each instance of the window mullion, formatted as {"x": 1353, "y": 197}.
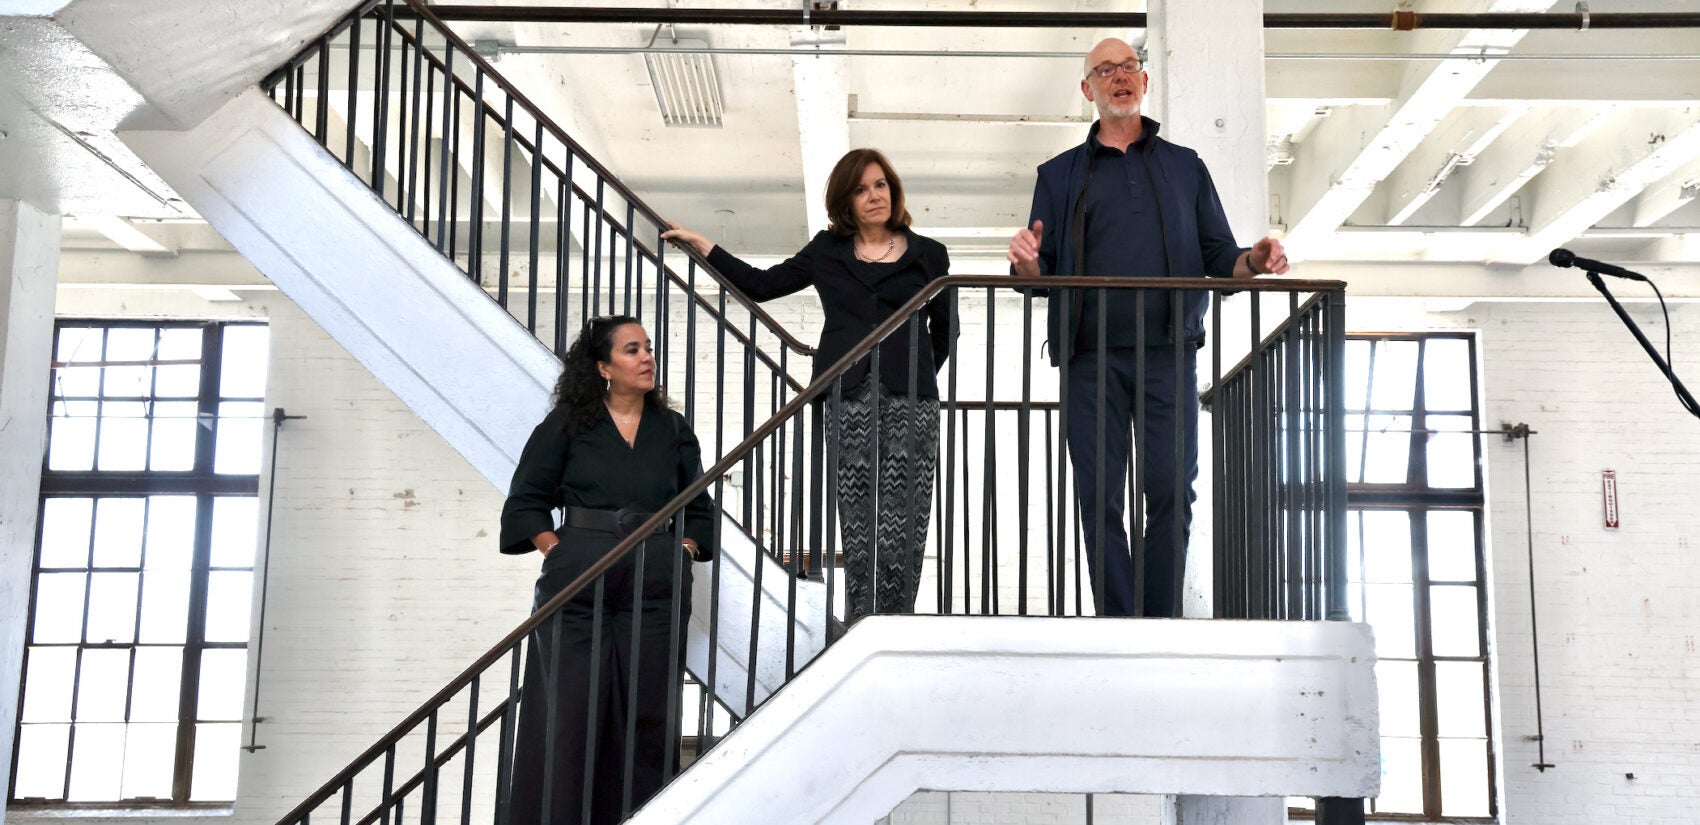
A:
{"x": 195, "y": 635}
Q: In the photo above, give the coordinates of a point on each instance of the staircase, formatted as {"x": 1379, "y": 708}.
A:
{"x": 450, "y": 237}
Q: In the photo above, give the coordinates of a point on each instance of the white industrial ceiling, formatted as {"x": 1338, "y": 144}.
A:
{"x": 1378, "y": 151}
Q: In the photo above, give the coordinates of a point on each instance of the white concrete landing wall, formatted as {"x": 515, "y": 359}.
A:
{"x": 1215, "y": 708}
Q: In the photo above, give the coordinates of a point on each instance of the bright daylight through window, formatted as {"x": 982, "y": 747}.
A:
{"x": 137, "y": 646}
{"x": 1417, "y": 570}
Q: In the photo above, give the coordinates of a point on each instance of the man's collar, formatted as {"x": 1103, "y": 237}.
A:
{"x": 1148, "y": 129}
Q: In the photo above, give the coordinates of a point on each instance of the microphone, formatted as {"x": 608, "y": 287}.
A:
{"x": 1565, "y": 258}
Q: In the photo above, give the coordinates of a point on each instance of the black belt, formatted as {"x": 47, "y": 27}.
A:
{"x": 619, "y": 522}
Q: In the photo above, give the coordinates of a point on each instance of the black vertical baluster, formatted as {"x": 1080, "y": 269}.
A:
{"x": 1291, "y": 478}
{"x": 353, "y": 91}
{"x": 426, "y": 140}
{"x": 322, "y": 105}
{"x": 915, "y": 541}
{"x": 347, "y": 800}
{"x": 454, "y": 180}
{"x": 663, "y": 306}
{"x": 388, "y": 798}
{"x": 505, "y": 231}
{"x": 475, "y": 200}
{"x": 552, "y": 709}
{"x": 876, "y": 388}
{"x": 634, "y": 309}
{"x": 1334, "y": 548}
{"x": 505, "y": 750}
{"x": 675, "y": 650}
{"x": 444, "y": 145}
{"x": 710, "y": 682}
{"x": 1023, "y": 448}
{"x": 1218, "y": 461}
{"x": 585, "y": 288}
{"x": 967, "y": 540}
{"x": 1066, "y": 363}
{"x": 596, "y": 274}
{"x": 289, "y": 93}
{"x": 947, "y": 463}
{"x": 691, "y": 340}
{"x": 634, "y": 671}
{"x": 428, "y": 800}
{"x": 1053, "y": 554}
{"x": 592, "y": 717}
{"x": 412, "y": 196}
{"x": 1100, "y": 574}
{"x": 535, "y": 227}
{"x": 790, "y": 538}
{"x": 471, "y": 751}
{"x": 989, "y": 474}
{"x": 835, "y": 417}
{"x": 381, "y": 68}
{"x": 1186, "y": 400}
{"x": 403, "y": 116}
{"x": 563, "y": 247}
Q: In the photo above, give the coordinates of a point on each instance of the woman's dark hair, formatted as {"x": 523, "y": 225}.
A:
{"x": 581, "y": 389}
{"x": 841, "y": 191}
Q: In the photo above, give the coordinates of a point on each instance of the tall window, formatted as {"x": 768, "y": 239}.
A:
{"x": 136, "y": 653}
{"x": 1417, "y": 568}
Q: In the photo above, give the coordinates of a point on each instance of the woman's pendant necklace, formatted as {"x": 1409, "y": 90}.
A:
{"x": 890, "y": 246}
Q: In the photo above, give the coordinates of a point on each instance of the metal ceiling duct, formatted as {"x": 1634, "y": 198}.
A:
{"x": 686, "y": 87}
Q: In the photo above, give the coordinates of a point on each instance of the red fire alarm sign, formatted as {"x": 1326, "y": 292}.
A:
{"x": 1610, "y": 489}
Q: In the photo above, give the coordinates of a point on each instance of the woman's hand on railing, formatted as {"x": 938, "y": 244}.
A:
{"x": 682, "y": 237}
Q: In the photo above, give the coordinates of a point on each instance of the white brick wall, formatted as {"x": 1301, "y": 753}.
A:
{"x": 1620, "y": 677}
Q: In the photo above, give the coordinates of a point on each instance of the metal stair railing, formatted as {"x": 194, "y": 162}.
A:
{"x": 458, "y": 152}
{"x": 986, "y": 553}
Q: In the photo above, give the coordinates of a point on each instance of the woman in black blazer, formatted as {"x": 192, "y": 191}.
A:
{"x": 866, "y": 265}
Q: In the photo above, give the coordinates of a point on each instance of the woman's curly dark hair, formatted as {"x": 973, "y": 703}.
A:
{"x": 581, "y": 389}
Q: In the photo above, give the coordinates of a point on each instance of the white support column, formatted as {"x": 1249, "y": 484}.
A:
{"x": 1206, "y": 64}
{"x": 29, "y": 263}
{"x": 821, "y": 83}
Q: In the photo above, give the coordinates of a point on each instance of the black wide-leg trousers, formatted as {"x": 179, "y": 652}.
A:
{"x": 580, "y": 672}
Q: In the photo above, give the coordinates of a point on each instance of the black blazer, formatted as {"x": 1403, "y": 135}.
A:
{"x": 856, "y": 300}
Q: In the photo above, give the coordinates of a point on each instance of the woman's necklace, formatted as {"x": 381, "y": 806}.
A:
{"x": 890, "y": 246}
{"x": 624, "y": 419}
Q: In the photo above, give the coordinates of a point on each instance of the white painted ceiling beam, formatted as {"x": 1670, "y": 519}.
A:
{"x": 1677, "y": 190}
{"x": 1358, "y": 159}
{"x": 1520, "y": 154}
{"x": 124, "y": 233}
{"x": 1601, "y": 173}
{"x": 1464, "y": 135}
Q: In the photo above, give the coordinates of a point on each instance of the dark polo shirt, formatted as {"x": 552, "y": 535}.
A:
{"x": 1124, "y": 237}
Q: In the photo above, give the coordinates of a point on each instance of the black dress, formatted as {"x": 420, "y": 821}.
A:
{"x": 580, "y": 766}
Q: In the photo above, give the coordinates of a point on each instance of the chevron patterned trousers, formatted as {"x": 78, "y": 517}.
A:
{"x": 884, "y": 514}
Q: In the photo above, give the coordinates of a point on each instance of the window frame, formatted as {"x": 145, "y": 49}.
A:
{"x": 1415, "y": 498}
{"x": 202, "y": 482}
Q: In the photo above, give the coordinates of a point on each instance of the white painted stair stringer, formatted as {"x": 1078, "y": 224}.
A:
{"x": 1141, "y": 706}
{"x": 437, "y": 340}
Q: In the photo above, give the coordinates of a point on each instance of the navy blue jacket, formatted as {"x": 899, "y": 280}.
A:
{"x": 1196, "y": 237}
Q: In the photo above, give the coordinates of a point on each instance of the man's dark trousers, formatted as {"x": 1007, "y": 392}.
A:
{"x": 1171, "y": 412}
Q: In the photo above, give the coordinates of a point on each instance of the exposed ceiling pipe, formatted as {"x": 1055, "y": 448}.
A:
{"x": 508, "y": 48}
{"x": 1402, "y": 21}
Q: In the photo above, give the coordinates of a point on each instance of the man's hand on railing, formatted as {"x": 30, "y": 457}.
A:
{"x": 681, "y": 237}
{"x": 1024, "y": 250}
{"x": 1266, "y": 257}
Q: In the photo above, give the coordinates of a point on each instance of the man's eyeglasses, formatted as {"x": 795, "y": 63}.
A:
{"x": 1105, "y": 70}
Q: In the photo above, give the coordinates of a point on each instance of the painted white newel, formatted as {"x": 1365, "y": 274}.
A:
{"x": 29, "y": 268}
{"x": 1205, "y": 58}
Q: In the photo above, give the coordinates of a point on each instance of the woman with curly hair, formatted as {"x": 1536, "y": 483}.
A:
{"x": 865, "y": 265}
{"x": 609, "y": 455}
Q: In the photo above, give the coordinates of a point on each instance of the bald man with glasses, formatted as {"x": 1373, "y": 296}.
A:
{"x": 1129, "y": 203}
